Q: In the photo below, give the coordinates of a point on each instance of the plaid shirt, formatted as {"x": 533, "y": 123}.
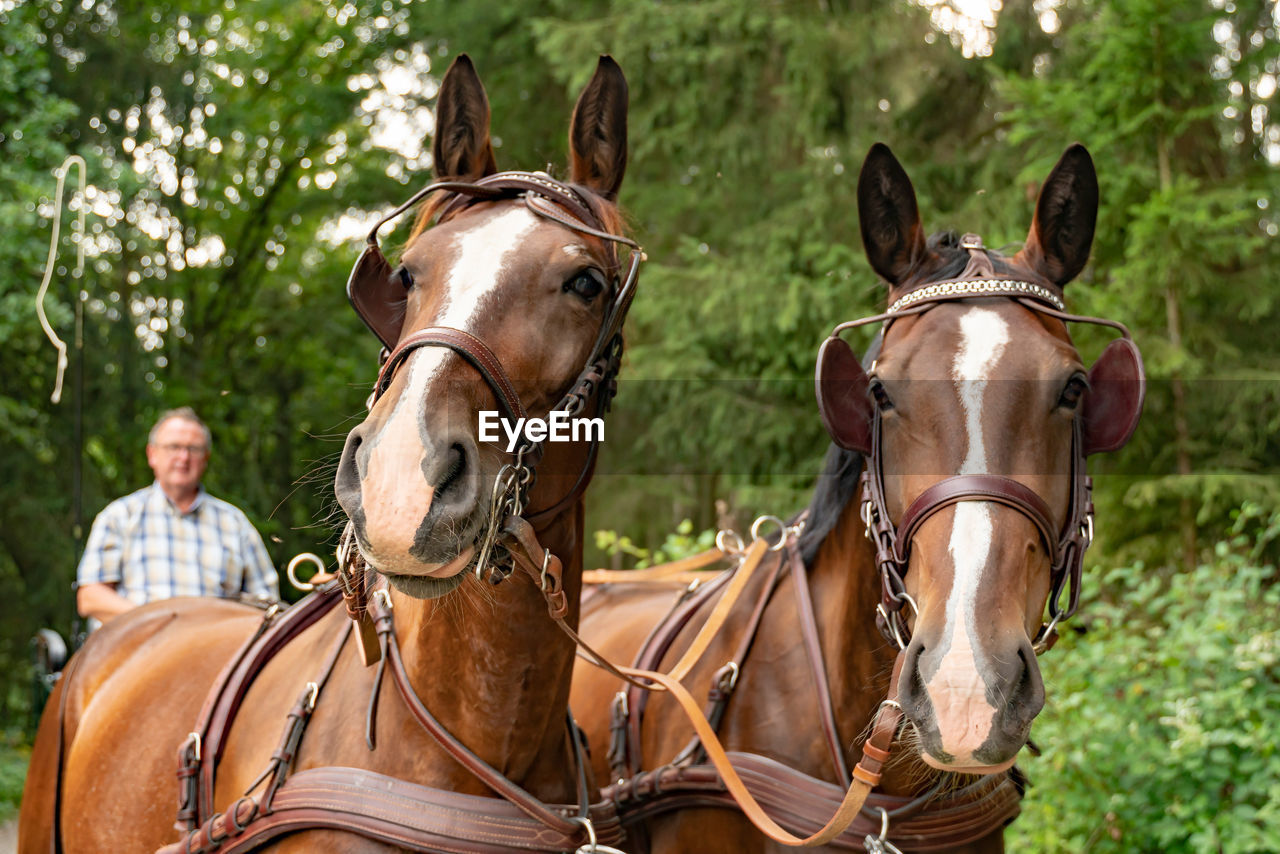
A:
{"x": 151, "y": 550}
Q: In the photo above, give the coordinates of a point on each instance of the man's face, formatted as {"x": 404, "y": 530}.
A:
{"x": 178, "y": 455}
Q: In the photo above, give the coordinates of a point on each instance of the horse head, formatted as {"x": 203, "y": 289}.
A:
{"x": 975, "y": 416}
{"x": 508, "y": 291}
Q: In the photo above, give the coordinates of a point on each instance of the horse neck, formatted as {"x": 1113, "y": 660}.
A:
{"x": 845, "y": 584}
{"x": 494, "y": 669}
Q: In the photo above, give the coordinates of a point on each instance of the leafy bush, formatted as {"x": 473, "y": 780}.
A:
{"x": 1160, "y": 732}
{"x": 681, "y": 543}
{"x": 13, "y": 773}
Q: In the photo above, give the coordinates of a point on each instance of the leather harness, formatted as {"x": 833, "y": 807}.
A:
{"x": 1065, "y": 546}
{"x": 411, "y": 816}
{"x": 355, "y": 800}
{"x": 937, "y": 820}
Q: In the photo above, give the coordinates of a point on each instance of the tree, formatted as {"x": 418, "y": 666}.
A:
{"x": 1183, "y": 252}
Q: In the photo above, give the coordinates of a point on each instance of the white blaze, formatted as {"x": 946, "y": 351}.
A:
{"x": 394, "y": 497}
{"x": 983, "y": 336}
{"x": 481, "y": 255}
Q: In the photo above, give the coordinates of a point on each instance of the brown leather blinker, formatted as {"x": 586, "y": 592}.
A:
{"x": 377, "y": 298}
{"x": 1110, "y": 411}
{"x": 1113, "y": 404}
{"x": 844, "y": 401}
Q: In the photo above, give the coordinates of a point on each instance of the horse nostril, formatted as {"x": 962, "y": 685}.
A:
{"x": 455, "y": 465}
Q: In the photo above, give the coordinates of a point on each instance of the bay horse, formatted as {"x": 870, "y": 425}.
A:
{"x": 510, "y": 283}
{"x": 951, "y": 509}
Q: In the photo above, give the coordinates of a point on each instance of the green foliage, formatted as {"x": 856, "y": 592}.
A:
{"x": 1160, "y": 730}
{"x": 680, "y": 543}
{"x": 14, "y": 756}
{"x": 1164, "y": 93}
{"x": 226, "y": 141}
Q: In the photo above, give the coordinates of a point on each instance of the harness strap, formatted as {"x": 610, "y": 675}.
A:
{"x": 938, "y": 821}
{"x": 725, "y": 680}
{"x": 403, "y": 814}
{"x": 629, "y": 704}
{"x": 866, "y": 775}
{"x": 469, "y": 347}
{"x": 674, "y": 571}
{"x": 977, "y": 487}
{"x": 643, "y": 678}
{"x": 482, "y": 770}
{"x": 198, "y": 758}
{"x": 817, "y": 666}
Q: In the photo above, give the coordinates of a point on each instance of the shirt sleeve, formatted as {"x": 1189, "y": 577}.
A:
{"x": 260, "y": 576}
{"x": 104, "y": 550}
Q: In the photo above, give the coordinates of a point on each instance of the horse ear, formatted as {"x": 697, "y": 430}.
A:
{"x": 598, "y": 131}
{"x": 1066, "y": 213}
{"x": 888, "y": 216}
{"x": 461, "y": 149}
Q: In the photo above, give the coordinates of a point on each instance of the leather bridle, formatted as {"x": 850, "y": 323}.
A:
{"x": 1065, "y": 546}
{"x": 381, "y": 309}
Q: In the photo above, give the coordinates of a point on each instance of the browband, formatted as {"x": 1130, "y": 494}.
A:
{"x": 980, "y": 279}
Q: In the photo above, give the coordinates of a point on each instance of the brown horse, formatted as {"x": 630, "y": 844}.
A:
{"x": 966, "y": 383}
{"x": 533, "y": 277}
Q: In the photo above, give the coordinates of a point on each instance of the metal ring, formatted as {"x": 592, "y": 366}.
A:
{"x": 782, "y": 527}
{"x": 592, "y": 846}
{"x": 315, "y": 694}
{"x": 195, "y": 736}
{"x": 733, "y": 673}
{"x": 292, "y": 571}
{"x": 724, "y": 544}
{"x": 542, "y": 576}
{"x": 892, "y": 624}
{"x": 383, "y": 596}
{"x": 1041, "y": 646}
{"x": 881, "y": 844}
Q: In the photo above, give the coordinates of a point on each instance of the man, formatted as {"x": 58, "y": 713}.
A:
{"x": 171, "y": 538}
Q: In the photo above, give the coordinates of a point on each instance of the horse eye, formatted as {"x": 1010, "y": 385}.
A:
{"x": 1074, "y": 392}
{"x": 878, "y": 393}
{"x": 405, "y": 277}
{"x": 585, "y": 284}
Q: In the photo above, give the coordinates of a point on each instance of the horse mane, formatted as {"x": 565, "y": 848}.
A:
{"x": 837, "y": 482}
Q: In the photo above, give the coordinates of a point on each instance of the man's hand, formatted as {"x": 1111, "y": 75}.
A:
{"x": 101, "y": 601}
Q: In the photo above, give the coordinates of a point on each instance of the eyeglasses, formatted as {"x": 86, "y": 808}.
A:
{"x": 193, "y": 450}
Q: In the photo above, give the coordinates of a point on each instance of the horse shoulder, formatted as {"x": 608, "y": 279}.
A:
{"x": 132, "y": 701}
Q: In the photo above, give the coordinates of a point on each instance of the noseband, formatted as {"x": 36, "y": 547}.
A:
{"x": 842, "y": 399}
{"x": 567, "y": 206}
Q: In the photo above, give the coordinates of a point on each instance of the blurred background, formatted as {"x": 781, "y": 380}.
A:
{"x": 237, "y": 153}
